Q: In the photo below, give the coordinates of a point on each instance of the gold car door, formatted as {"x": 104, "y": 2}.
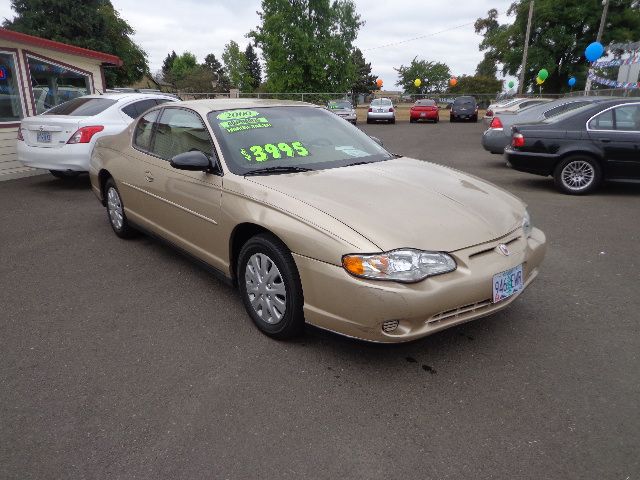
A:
{"x": 185, "y": 206}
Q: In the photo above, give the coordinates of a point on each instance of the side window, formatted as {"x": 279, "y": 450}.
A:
{"x": 628, "y": 118}
{"x": 135, "y": 109}
{"x": 180, "y": 131}
{"x": 144, "y": 129}
{"x": 604, "y": 121}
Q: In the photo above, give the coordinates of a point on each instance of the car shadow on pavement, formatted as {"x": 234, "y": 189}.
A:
{"x": 50, "y": 182}
{"x": 606, "y": 189}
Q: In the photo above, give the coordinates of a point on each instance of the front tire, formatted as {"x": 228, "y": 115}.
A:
{"x": 270, "y": 287}
{"x": 115, "y": 211}
{"x": 577, "y": 175}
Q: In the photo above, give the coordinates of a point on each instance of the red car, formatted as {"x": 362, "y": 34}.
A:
{"x": 424, "y": 110}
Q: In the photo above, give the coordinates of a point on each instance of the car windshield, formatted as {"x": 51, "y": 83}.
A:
{"x": 425, "y": 103}
{"x": 340, "y": 106}
{"x": 81, "y": 107}
{"x": 290, "y": 137}
{"x": 381, "y": 101}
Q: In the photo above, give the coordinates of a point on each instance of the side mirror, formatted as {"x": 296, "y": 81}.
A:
{"x": 194, "y": 160}
{"x": 377, "y": 140}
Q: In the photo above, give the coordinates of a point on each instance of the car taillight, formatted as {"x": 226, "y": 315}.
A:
{"x": 20, "y": 137}
{"x": 84, "y": 134}
{"x": 517, "y": 140}
{"x": 370, "y": 109}
{"x": 391, "y": 109}
{"x": 489, "y": 113}
{"x": 496, "y": 123}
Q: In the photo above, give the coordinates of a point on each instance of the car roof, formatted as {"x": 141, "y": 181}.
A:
{"x": 118, "y": 96}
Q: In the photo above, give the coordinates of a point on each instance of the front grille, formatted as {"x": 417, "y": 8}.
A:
{"x": 493, "y": 247}
{"x": 460, "y": 311}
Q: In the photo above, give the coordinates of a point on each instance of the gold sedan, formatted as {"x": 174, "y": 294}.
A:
{"x": 315, "y": 221}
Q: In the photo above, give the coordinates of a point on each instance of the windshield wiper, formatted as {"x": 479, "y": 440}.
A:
{"x": 280, "y": 169}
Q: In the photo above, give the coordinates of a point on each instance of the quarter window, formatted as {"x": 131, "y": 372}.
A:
{"x": 144, "y": 130}
{"x": 53, "y": 84}
{"x": 604, "y": 121}
{"x": 180, "y": 131}
{"x": 10, "y": 104}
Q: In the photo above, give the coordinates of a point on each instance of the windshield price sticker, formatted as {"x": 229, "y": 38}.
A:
{"x": 241, "y": 120}
{"x": 273, "y": 151}
{"x": 237, "y": 114}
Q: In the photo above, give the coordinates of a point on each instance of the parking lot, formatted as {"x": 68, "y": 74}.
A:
{"x": 122, "y": 359}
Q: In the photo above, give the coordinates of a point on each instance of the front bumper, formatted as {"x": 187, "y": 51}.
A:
{"x": 68, "y": 157}
{"x": 336, "y": 301}
{"x": 532, "y": 162}
{"x": 348, "y": 116}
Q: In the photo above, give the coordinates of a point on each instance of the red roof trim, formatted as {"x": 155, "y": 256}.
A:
{"x": 60, "y": 47}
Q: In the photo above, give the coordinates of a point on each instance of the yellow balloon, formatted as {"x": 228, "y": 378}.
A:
{"x": 417, "y": 82}
{"x": 539, "y": 81}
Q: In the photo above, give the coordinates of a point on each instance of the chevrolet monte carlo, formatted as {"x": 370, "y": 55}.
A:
{"x": 315, "y": 221}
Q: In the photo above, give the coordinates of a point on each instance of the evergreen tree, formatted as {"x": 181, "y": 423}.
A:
{"x": 253, "y": 67}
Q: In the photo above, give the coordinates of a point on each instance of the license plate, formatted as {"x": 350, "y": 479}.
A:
{"x": 506, "y": 284}
{"x": 44, "y": 137}
{"x": 423, "y": 114}
{"x": 380, "y": 110}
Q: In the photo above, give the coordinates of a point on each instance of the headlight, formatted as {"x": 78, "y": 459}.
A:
{"x": 526, "y": 224}
{"x": 405, "y": 265}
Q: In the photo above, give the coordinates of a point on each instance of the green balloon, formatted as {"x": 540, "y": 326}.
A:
{"x": 543, "y": 74}
{"x": 511, "y": 84}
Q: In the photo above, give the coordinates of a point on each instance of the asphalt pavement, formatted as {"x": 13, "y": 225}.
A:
{"x": 122, "y": 359}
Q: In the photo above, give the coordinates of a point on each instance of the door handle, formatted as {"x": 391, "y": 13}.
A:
{"x": 148, "y": 176}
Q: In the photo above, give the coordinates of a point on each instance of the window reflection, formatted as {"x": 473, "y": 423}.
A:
{"x": 10, "y": 103}
{"x": 53, "y": 84}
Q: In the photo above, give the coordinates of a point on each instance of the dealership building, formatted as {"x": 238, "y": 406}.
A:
{"x": 35, "y": 75}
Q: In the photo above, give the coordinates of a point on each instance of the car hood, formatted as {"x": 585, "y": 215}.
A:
{"x": 406, "y": 202}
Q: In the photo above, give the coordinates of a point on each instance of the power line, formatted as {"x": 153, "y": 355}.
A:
{"x": 419, "y": 37}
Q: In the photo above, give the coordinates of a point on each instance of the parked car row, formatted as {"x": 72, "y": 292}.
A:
{"x": 579, "y": 141}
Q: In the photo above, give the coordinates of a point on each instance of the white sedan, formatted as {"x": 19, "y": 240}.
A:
{"x": 62, "y": 138}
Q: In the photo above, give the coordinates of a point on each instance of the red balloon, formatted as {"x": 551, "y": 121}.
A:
{"x": 453, "y": 82}
{"x": 379, "y": 82}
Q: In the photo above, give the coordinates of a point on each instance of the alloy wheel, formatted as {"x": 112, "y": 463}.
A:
{"x": 578, "y": 175}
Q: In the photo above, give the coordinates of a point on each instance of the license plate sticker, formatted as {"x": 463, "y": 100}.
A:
{"x": 508, "y": 283}
{"x": 44, "y": 137}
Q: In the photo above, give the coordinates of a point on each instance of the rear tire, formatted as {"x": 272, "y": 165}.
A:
{"x": 412, "y": 120}
{"x": 115, "y": 211}
{"x": 369, "y": 121}
{"x": 577, "y": 175}
{"x": 393, "y": 120}
{"x": 64, "y": 173}
{"x": 270, "y": 287}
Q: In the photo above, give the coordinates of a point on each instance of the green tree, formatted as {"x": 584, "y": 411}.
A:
{"x": 183, "y": 65}
{"x": 434, "y": 76}
{"x": 364, "y": 81}
{"x": 92, "y": 24}
{"x": 476, "y": 84}
{"x": 559, "y": 35}
{"x": 168, "y": 62}
{"x": 253, "y": 67}
{"x": 235, "y": 64}
{"x": 307, "y": 44}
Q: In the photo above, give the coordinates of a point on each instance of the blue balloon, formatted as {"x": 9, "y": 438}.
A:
{"x": 594, "y": 51}
{"x": 572, "y": 81}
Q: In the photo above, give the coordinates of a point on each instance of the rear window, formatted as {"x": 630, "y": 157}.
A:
{"x": 81, "y": 107}
{"x": 464, "y": 101}
{"x": 381, "y": 101}
{"x": 426, "y": 103}
{"x": 565, "y": 107}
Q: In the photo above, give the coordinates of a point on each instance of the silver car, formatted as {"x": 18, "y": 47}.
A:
{"x": 344, "y": 109}
{"x": 513, "y": 106}
{"x": 381, "y": 109}
{"x": 498, "y": 135}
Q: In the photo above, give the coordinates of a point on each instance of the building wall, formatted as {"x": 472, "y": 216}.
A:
{"x": 9, "y": 131}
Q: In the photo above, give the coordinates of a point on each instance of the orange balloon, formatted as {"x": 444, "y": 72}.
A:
{"x": 453, "y": 82}
{"x": 379, "y": 82}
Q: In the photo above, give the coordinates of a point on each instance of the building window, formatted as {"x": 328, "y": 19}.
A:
{"x": 53, "y": 84}
{"x": 10, "y": 104}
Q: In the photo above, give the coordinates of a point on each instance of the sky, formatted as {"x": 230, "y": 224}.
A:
{"x": 205, "y": 26}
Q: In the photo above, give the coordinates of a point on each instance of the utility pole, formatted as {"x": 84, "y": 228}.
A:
{"x": 526, "y": 49}
{"x": 603, "y": 19}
